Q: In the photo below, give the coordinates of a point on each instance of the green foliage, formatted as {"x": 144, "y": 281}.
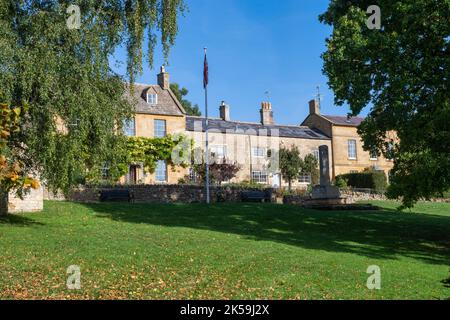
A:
{"x": 341, "y": 182}
{"x": 180, "y": 93}
{"x": 403, "y": 71}
{"x": 295, "y": 192}
{"x": 12, "y": 175}
{"x": 375, "y": 180}
{"x": 310, "y": 165}
{"x": 290, "y": 163}
{"x": 149, "y": 150}
{"x": 76, "y": 103}
{"x": 218, "y": 172}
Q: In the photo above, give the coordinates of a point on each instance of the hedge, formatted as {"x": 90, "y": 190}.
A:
{"x": 371, "y": 180}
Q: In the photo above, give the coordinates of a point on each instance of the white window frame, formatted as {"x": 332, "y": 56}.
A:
{"x": 350, "y": 143}
{"x": 316, "y": 154}
{"x": 258, "y": 175}
{"x": 372, "y": 157}
{"x": 156, "y": 128}
{"x": 214, "y": 153}
{"x": 127, "y": 125}
{"x": 152, "y": 98}
{"x": 157, "y": 176}
{"x": 305, "y": 178}
{"x": 259, "y": 152}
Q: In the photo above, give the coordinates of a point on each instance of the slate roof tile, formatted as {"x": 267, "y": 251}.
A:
{"x": 219, "y": 125}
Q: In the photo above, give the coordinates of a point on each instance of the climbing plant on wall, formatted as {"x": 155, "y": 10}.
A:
{"x": 175, "y": 149}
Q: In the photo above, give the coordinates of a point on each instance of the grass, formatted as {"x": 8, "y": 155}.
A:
{"x": 226, "y": 251}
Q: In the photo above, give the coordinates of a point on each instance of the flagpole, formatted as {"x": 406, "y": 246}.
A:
{"x": 208, "y": 200}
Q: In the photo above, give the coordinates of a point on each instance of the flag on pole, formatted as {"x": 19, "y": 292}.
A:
{"x": 205, "y": 86}
{"x": 205, "y": 73}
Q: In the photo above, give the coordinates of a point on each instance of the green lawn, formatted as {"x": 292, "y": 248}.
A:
{"x": 226, "y": 251}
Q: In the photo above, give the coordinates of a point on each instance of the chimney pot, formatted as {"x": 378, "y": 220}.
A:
{"x": 163, "y": 78}
{"x": 224, "y": 111}
{"x": 266, "y": 113}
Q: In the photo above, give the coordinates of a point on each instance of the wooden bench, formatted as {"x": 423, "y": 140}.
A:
{"x": 256, "y": 196}
{"x": 116, "y": 195}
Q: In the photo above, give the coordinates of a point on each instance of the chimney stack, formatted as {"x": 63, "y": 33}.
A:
{"x": 314, "y": 107}
{"x": 266, "y": 113}
{"x": 224, "y": 111}
{"x": 163, "y": 79}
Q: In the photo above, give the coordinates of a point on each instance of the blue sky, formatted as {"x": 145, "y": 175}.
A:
{"x": 254, "y": 46}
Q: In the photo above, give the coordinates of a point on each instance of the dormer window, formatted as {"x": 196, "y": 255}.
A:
{"x": 152, "y": 98}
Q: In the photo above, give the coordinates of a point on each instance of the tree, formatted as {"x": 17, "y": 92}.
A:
{"x": 187, "y": 105}
{"x": 402, "y": 71}
{"x": 218, "y": 172}
{"x": 290, "y": 164}
{"x": 310, "y": 166}
{"x": 63, "y": 74}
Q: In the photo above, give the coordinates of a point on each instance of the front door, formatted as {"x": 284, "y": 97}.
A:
{"x": 276, "y": 181}
{"x": 133, "y": 175}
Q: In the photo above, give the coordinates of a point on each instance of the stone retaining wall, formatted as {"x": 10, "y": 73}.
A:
{"x": 356, "y": 196}
{"x": 33, "y": 201}
{"x": 156, "y": 194}
{"x": 193, "y": 194}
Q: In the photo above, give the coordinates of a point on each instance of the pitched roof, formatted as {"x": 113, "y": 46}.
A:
{"x": 252, "y": 128}
{"x": 344, "y": 121}
{"x": 167, "y": 104}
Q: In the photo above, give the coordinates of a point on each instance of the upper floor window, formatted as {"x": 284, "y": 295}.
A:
{"x": 152, "y": 98}
{"x": 160, "y": 128}
{"x": 129, "y": 127}
{"x": 161, "y": 171}
{"x": 316, "y": 154}
{"x": 219, "y": 152}
{"x": 259, "y": 176}
{"x": 352, "y": 149}
{"x": 259, "y": 152}
{"x": 373, "y": 155}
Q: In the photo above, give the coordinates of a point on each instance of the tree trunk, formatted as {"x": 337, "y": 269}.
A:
{"x": 289, "y": 184}
{"x": 3, "y": 202}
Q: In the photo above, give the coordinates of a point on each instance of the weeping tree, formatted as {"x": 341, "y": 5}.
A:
{"x": 396, "y": 58}
{"x": 55, "y": 58}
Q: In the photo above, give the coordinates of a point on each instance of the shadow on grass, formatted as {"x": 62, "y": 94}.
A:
{"x": 446, "y": 282}
{"x": 18, "y": 220}
{"x": 385, "y": 234}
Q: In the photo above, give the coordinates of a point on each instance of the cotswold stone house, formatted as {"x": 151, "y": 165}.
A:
{"x": 346, "y": 148}
{"x": 253, "y": 146}
{"x": 158, "y": 113}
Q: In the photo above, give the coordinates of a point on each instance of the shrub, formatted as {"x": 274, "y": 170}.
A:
{"x": 341, "y": 182}
{"x": 375, "y": 180}
{"x": 282, "y": 192}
